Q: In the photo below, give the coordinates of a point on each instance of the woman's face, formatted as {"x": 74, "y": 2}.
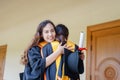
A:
{"x": 49, "y": 33}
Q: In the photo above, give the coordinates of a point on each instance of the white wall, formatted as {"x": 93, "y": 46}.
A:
{"x": 19, "y": 19}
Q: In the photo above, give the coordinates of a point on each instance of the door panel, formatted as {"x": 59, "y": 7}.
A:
{"x": 2, "y": 60}
{"x": 104, "y": 53}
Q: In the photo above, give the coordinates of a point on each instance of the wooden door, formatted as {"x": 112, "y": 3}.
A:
{"x": 2, "y": 60}
{"x": 103, "y": 55}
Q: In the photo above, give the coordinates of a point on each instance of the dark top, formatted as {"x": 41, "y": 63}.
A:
{"x": 51, "y": 70}
{"x": 35, "y": 68}
{"x": 36, "y": 65}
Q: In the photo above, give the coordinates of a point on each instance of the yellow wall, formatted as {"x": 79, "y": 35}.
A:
{"x": 19, "y": 19}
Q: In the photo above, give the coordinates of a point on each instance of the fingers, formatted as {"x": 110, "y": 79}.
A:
{"x": 82, "y": 56}
{"x": 61, "y": 48}
{"x": 69, "y": 48}
{"x": 64, "y": 45}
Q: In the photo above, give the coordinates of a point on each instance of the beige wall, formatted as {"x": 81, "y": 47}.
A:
{"x": 19, "y": 19}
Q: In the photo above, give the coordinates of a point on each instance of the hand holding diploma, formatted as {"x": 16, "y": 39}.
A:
{"x": 81, "y": 48}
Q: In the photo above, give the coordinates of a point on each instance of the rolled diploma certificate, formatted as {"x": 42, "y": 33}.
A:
{"x": 81, "y": 41}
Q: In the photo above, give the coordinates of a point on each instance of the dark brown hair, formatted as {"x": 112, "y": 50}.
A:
{"x": 36, "y": 39}
{"x": 62, "y": 33}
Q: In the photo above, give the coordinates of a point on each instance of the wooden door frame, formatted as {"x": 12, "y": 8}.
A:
{"x": 4, "y": 50}
{"x": 91, "y": 29}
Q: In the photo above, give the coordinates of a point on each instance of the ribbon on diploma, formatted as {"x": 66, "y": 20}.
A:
{"x": 82, "y": 49}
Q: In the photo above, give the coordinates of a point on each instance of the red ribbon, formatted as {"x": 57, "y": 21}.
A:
{"x": 82, "y": 49}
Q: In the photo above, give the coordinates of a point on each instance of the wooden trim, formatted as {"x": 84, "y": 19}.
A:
{"x": 104, "y": 25}
{"x": 3, "y": 49}
{"x": 91, "y": 29}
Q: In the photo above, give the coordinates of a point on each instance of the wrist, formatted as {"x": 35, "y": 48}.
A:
{"x": 58, "y": 52}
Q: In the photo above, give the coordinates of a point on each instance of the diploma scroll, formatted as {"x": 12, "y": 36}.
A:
{"x": 81, "y": 41}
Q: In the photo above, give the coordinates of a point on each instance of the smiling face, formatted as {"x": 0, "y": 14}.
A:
{"x": 49, "y": 33}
